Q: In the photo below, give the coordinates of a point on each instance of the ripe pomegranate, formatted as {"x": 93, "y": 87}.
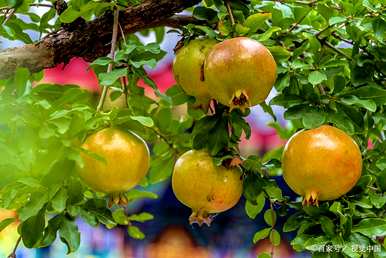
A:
{"x": 188, "y": 68}
{"x": 240, "y": 72}
{"x": 204, "y": 187}
{"x": 125, "y": 160}
{"x": 321, "y": 164}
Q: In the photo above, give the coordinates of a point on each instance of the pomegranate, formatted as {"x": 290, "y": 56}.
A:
{"x": 204, "y": 187}
{"x": 321, "y": 164}
{"x": 188, "y": 68}
{"x": 240, "y": 72}
{"x": 124, "y": 160}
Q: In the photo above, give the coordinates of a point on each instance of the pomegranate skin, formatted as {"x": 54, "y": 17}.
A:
{"x": 321, "y": 164}
{"x": 199, "y": 184}
{"x": 240, "y": 72}
{"x": 188, "y": 68}
{"x": 126, "y": 160}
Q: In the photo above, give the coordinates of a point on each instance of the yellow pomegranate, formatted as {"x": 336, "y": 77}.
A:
{"x": 188, "y": 68}
{"x": 240, "y": 72}
{"x": 124, "y": 160}
{"x": 321, "y": 164}
{"x": 204, "y": 187}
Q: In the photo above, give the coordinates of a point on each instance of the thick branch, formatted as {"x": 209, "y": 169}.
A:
{"x": 29, "y": 56}
{"x": 92, "y": 39}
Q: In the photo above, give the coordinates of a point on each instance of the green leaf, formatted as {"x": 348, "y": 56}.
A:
{"x": 161, "y": 167}
{"x": 51, "y": 231}
{"x": 285, "y": 10}
{"x": 135, "y": 232}
{"x": 364, "y": 103}
{"x": 315, "y": 244}
{"x": 253, "y": 210}
{"x": 70, "y": 235}
{"x": 256, "y": 21}
{"x": 270, "y": 217}
{"x": 378, "y": 200}
{"x": 337, "y": 19}
{"x": 371, "y": 227}
{"x": 292, "y": 223}
{"x": 342, "y": 121}
{"x": 262, "y": 234}
{"x": 137, "y": 194}
{"x": 120, "y": 216}
{"x": 327, "y": 225}
{"x": 219, "y": 138}
{"x": 376, "y": 93}
{"x": 108, "y": 79}
{"x": 313, "y": 118}
{"x": 140, "y": 63}
{"x": 142, "y": 217}
{"x": 205, "y": 13}
{"x": 178, "y": 95}
{"x": 102, "y": 61}
{"x": 298, "y": 243}
{"x": 32, "y": 229}
{"x": 144, "y": 120}
{"x": 59, "y": 201}
{"x": 316, "y": 77}
{"x": 274, "y": 192}
{"x": 266, "y": 35}
{"x": 336, "y": 208}
{"x": 69, "y": 15}
{"x": 274, "y": 237}
{"x": 36, "y": 203}
{"x": 6, "y": 222}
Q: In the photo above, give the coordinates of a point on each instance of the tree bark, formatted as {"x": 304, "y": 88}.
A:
{"x": 90, "y": 40}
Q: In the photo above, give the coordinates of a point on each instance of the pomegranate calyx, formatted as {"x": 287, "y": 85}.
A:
{"x": 311, "y": 199}
{"x": 240, "y": 100}
{"x": 200, "y": 217}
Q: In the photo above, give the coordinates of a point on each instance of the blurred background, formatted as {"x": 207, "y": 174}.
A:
{"x": 169, "y": 235}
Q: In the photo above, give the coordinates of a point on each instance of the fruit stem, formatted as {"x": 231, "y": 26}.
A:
{"x": 229, "y": 9}
{"x": 112, "y": 56}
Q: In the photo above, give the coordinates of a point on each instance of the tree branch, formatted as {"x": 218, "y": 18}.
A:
{"x": 91, "y": 40}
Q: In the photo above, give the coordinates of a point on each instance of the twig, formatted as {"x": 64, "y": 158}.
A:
{"x": 341, "y": 38}
{"x": 112, "y": 56}
{"x": 337, "y": 50}
{"x": 229, "y": 9}
{"x": 342, "y": 23}
{"x": 13, "y": 254}
{"x": 125, "y": 89}
{"x": 300, "y": 21}
{"x": 306, "y": 3}
{"x": 166, "y": 140}
{"x": 361, "y": 48}
{"x": 178, "y": 21}
{"x": 122, "y": 33}
{"x": 41, "y": 5}
{"x": 321, "y": 89}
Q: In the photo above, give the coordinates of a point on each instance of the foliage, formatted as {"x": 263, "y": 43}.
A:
{"x": 332, "y": 69}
